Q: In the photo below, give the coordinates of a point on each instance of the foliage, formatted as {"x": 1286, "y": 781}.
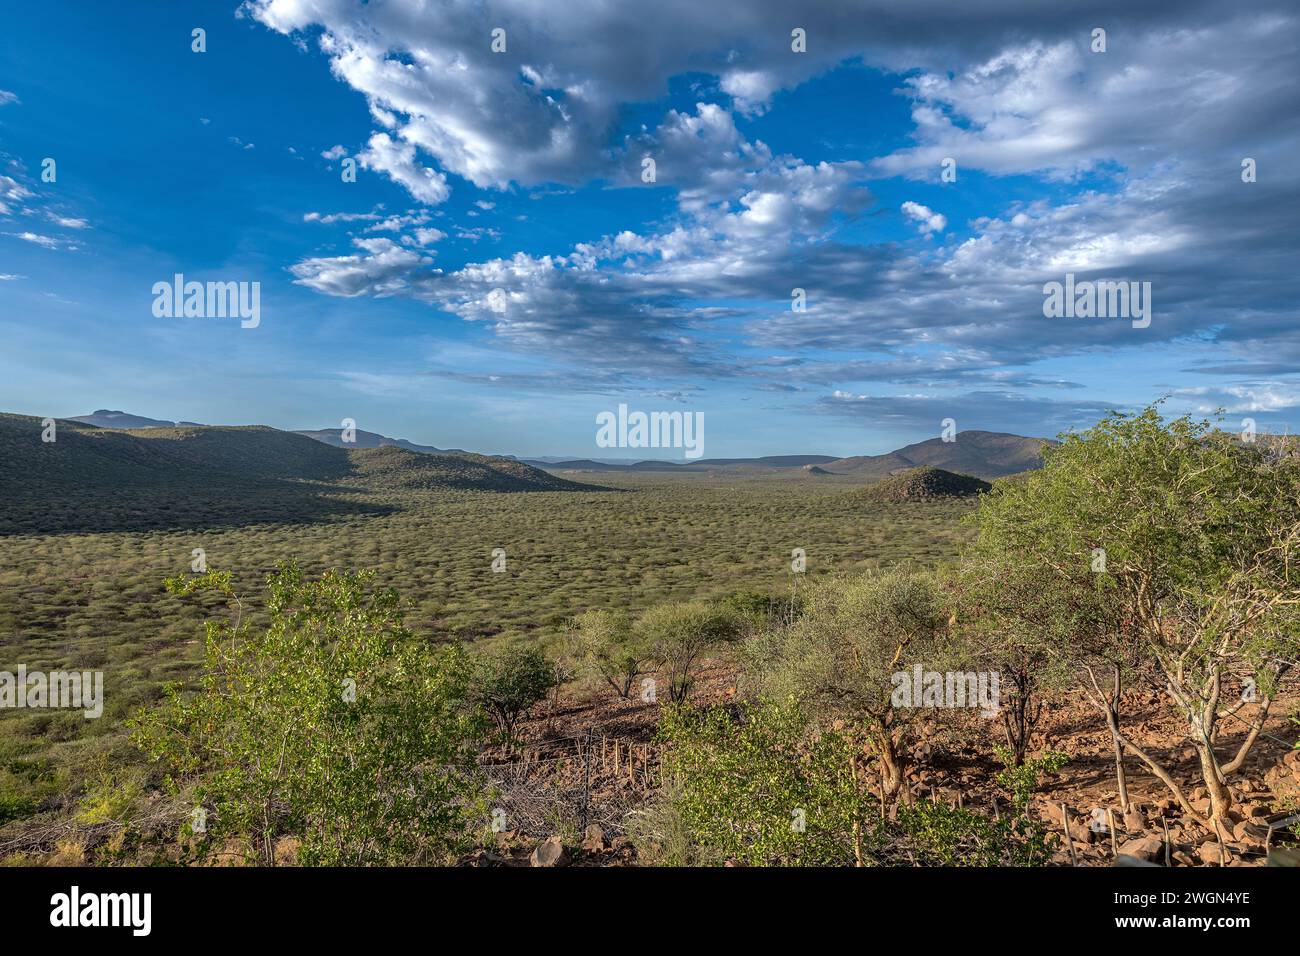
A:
{"x": 758, "y": 789}
{"x": 766, "y": 788}
{"x": 1192, "y": 538}
{"x": 1020, "y": 778}
{"x": 840, "y": 658}
{"x": 614, "y": 648}
{"x": 679, "y": 634}
{"x": 506, "y": 684}
{"x": 937, "y": 834}
{"x": 333, "y": 724}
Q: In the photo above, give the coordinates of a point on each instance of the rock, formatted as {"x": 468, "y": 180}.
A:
{"x": 550, "y": 852}
{"x": 1211, "y": 853}
{"x": 1151, "y": 849}
{"x": 1079, "y": 831}
{"x": 1054, "y": 813}
{"x": 1257, "y": 811}
{"x": 594, "y": 838}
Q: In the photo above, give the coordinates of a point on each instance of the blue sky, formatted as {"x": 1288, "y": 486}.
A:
{"x": 520, "y": 171}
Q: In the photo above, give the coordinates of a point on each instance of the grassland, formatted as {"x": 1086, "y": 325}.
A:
{"x": 95, "y": 600}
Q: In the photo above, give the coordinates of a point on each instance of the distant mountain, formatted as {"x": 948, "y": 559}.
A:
{"x": 107, "y": 418}
{"x": 194, "y": 458}
{"x": 388, "y": 467}
{"x": 986, "y": 455}
{"x": 364, "y": 439}
{"x": 596, "y": 464}
{"x": 925, "y": 484}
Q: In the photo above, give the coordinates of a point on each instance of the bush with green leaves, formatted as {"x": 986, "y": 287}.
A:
{"x": 765, "y": 786}
{"x": 1192, "y": 536}
{"x": 760, "y": 609}
{"x": 1020, "y": 778}
{"x": 933, "y": 833}
{"x": 758, "y": 788}
{"x": 679, "y": 634}
{"x": 507, "y": 683}
{"x": 841, "y": 657}
{"x": 614, "y": 648}
{"x": 334, "y": 724}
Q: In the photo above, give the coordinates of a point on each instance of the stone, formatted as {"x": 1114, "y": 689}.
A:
{"x": 594, "y": 838}
{"x": 1151, "y": 849}
{"x": 1135, "y": 820}
{"x": 550, "y": 852}
{"x": 1210, "y": 853}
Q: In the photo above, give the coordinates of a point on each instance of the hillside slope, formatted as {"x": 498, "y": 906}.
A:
{"x": 390, "y": 468}
{"x": 986, "y": 455}
{"x": 364, "y": 439}
{"x": 924, "y": 484}
{"x": 101, "y": 479}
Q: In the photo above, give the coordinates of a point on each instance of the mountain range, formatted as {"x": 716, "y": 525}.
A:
{"x": 982, "y": 454}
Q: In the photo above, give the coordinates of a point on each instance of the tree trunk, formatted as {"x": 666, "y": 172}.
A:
{"x": 1121, "y": 778}
{"x": 1220, "y": 795}
{"x": 893, "y": 769}
{"x": 1112, "y": 722}
{"x": 1109, "y": 705}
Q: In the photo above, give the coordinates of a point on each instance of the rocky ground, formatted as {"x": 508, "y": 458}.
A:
{"x": 587, "y": 759}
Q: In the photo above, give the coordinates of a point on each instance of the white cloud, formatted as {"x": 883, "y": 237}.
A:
{"x": 11, "y": 191}
{"x": 927, "y": 220}
{"x": 398, "y": 161}
{"x": 48, "y": 242}
{"x": 67, "y": 222}
{"x": 6, "y": 98}
{"x": 381, "y": 268}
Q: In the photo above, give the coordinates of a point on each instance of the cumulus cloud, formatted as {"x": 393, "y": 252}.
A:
{"x": 398, "y": 161}
{"x": 1004, "y": 89}
{"x": 927, "y": 220}
{"x": 381, "y": 268}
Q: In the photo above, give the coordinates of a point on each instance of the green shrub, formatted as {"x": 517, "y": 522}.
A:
{"x": 679, "y": 634}
{"x": 333, "y": 724}
{"x": 760, "y": 790}
{"x": 937, "y": 834}
{"x": 1021, "y": 779}
{"x": 614, "y": 648}
{"x": 508, "y": 683}
{"x": 840, "y": 658}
